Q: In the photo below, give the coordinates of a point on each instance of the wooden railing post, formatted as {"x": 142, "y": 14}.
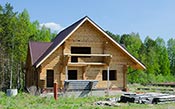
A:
{"x": 108, "y": 80}
{"x": 125, "y": 78}
{"x": 55, "y": 88}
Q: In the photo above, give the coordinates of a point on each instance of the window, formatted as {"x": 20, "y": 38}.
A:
{"x": 50, "y": 78}
{"x": 112, "y": 75}
{"x": 72, "y": 74}
{"x": 74, "y": 59}
{"x": 79, "y": 50}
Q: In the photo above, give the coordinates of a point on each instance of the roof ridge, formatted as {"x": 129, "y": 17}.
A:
{"x": 70, "y": 26}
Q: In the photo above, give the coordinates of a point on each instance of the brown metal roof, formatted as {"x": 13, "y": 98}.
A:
{"x": 37, "y": 49}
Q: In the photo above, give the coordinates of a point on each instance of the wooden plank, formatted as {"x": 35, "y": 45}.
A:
{"x": 85, "y": 63}
{"x": 101, "y": 55}
{"x": 171, "y": 84}
{"x": 160, "y": 89}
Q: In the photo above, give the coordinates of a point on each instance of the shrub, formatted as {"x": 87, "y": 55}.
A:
{"x": 142, "y": 77}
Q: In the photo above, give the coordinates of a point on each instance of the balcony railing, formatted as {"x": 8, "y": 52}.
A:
{"x": 94, "y": 59}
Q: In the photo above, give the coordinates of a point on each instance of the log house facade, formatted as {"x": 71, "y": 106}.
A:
{"x": 82, "y": 51}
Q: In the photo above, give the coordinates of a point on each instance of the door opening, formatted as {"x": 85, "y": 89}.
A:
{"x": 50, "y": 78}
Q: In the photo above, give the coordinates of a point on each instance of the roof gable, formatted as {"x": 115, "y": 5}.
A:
{"x": 64, "y": 35}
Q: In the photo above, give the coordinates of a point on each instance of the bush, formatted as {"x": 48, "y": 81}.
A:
{"x": 145, "y": 78}
{"x": 138, "y": 77}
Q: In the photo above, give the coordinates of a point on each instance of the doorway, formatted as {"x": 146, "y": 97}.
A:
{"x": 50, "y": 78}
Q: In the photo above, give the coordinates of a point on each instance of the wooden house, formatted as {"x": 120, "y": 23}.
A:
{"x": 82, "y": 51}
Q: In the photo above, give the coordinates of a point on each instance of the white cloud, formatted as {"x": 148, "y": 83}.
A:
{"x": 53, "y": 26}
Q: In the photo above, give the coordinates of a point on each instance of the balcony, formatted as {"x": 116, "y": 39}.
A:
{"x": 88, "y": 59}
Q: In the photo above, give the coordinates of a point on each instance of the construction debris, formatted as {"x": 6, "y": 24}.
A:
{"x": 147, "y": 98}
{"x": 108, "y": 102}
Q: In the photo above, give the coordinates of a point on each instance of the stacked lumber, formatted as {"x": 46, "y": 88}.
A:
{"x": 147, "y": 98}
{"x": 171, "y": 84}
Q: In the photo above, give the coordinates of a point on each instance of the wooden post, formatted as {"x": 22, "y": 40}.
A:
{"x": 55, "y": 90}
{"x": 85, "y": 69}
{"x": 108, "y": 80}
{"x": 124, "y": 78}
{"x": 66, "y": 71}
{"x": 83, "y": 72}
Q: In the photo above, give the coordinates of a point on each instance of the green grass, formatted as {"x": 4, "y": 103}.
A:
{"x": 26, "y": 101}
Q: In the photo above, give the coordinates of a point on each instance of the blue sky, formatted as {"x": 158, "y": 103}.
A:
{"x": 154, "y": 18}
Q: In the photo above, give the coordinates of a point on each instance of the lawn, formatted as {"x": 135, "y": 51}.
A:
{"x": 26, "y": 101}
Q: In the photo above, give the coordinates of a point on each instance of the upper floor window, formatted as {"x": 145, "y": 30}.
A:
{"x": 81, "y": 50}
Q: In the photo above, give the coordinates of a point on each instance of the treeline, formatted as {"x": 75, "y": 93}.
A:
{"x": 157, "y": 55}
{"x": 16, "y": 30}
